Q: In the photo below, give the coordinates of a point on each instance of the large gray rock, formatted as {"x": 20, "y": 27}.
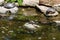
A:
{"x": 48, "y": 11}
{"x": 30, "y": 2}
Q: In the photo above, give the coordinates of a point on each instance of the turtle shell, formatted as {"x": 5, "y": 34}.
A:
{"x": 9, "y": 5}
{"x": 50, "y": 10}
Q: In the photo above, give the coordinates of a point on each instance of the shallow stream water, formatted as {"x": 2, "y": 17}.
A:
{"x": 14, "y": 30}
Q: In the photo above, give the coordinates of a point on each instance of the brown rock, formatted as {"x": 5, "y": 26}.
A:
{"x": 49, "y": 2}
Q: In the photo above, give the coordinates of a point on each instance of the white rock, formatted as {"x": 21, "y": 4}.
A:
{"x": 3, "y": 10}
{"x": 3, "y": 32}
{"x": 31, "y": 26}
{"x": 10, "y": 31}
{"x": 54, "y": 38}
{"x": 37, "y": 26}
{"x": 23, "y": 10}
{"x": 12, "y": 10}
{"x": 32, "y": 22}
{"x": 57, "y": 21}
{"x": 30, "y": 2}
{"x": 4, "y": 28}
{"x": 44, "y": 9}
{"x": 39, "y": 38}
{"x": 1, "y": 2}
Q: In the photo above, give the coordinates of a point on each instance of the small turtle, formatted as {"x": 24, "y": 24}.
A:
{"x": 51, "y": 12}
{"x": 48, "y": 11}
{"x": 9, "y": 5}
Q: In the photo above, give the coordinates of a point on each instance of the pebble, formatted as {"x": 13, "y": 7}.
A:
{"x": 39, "y": 38}
{"x": 4, "y": 28}
{"x": 54, "y": 38}
{"x": 23, "y": 10}
{"x": 10, "y": 31}
{"x": 19, "y": 26}
{"x": 3, "y": 32}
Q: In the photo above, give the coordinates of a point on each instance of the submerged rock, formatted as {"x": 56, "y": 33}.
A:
{"x": 54, "y": 38}
{"x": 3, "y": 31}
{"x": 11, "y": 17}
{"x": 3, "y": 10}
{"x": 11, "y": 31}
{"x": 39, "y": 38}
{"x": 6, "y": 37}
{"x": 57, "y": 21}
{"x": 31, "y": 26}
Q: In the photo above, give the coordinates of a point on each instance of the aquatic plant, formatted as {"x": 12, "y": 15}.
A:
{"x": 18, "y": 1}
